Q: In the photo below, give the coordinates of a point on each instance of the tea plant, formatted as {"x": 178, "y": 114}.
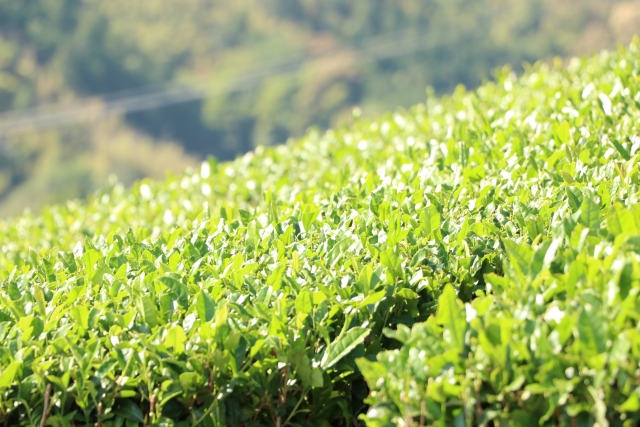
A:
{"x": 276, "y": 289}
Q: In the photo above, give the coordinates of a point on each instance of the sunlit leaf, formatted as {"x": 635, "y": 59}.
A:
{"x": 343, "y": 346}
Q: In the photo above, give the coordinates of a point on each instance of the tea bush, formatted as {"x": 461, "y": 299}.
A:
{"x": 471, "y": 261}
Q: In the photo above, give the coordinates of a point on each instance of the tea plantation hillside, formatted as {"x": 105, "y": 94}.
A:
{"x": 473, "y": 261}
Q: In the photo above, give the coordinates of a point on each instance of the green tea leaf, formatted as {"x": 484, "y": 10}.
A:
{"x": 590, "y": 216}
{"x": 9, "y": 374}
{"x": 128, "y": 410}
{"x": 373, "y": 298}
{"x": 343, "y": 346}
{"x": 205, "y": 306}
{"x": 304, "y": 302}
{"x": 575, "y": 198}
{"x": 407, "y": 294}
{"x": 592, "y": 333}
{"x": 563, "y": 131}
{"x": 371, "y": 371}
{"x": 80, "y": 315}
{"x": 623, "y": 151}
{"x": 175, "y": 338}
{"x": 390, "y": 260}
{"x": 632, "y": 404}
{"x": 621, "y": 220}
{"x": 451, "y": 316}
{"x": 520, "y": 256}
{"x": 148, "y": 311}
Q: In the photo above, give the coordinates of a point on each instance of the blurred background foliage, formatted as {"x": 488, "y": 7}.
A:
{"x": 58, "y": 51}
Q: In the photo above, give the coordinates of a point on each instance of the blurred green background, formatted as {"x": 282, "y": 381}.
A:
{"x": 59, "y": 51}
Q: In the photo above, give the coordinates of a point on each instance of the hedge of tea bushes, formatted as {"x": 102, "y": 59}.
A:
{"x": 445, "y": 264}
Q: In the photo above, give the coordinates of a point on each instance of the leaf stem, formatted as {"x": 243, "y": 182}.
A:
{"x": 45, "y": 410}
{"x": 206, "y": 413}
{"x": 295, "y": 409}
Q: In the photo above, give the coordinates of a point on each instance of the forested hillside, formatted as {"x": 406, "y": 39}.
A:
{"x": 60, "y": 50}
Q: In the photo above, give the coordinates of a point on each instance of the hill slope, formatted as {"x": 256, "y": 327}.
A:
{"x": 60, "y": 51}
{"x": 256, "y": 292}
